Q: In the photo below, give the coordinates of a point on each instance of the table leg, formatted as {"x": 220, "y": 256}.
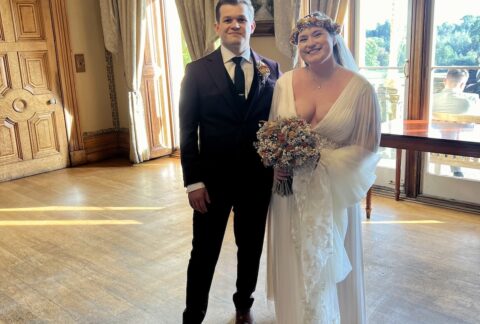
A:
{"x": 398, "y": 172}
{"x": 368, "y": 205}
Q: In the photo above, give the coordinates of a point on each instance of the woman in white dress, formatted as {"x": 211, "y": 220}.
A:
{"x": 315, "y": 266}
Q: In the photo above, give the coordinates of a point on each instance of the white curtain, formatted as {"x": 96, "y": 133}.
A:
{"x": 110, "y": 25}
{"x": 286, "y": 15}
{"x": 133, "y": 32}
{"x": 124, "y": 29}
{"x": 197, "y": 18}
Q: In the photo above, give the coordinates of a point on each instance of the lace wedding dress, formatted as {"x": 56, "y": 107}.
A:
{"x": 315, "y": 266}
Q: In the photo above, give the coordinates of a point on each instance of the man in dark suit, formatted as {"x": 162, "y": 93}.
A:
{"x": 224, "y": 97}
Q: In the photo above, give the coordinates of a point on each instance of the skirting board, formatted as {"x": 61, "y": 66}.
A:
{"x": 106, "y": 144}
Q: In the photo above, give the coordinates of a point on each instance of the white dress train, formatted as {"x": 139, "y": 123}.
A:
{"x": 315, "y": 265}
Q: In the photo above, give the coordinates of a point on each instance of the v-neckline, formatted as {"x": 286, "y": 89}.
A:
{"x": 331, "y": 107}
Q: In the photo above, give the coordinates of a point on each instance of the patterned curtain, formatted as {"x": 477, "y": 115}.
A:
{"x": 197, "y": 18}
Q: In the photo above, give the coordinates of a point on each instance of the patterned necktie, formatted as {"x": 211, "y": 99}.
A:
{"x": 239, "y": 78}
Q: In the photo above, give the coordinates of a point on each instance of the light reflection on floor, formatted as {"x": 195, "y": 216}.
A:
{"x": 72, "y": 222}
{"x": 79, "y": 208}
{"x": 427, "y": 221}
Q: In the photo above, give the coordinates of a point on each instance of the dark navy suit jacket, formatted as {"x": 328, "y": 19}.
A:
{"x": 218, "y": 130}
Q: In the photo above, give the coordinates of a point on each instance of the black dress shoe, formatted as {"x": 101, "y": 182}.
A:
{"x": 244, "y": 317}
{"x": 193, "y": 316}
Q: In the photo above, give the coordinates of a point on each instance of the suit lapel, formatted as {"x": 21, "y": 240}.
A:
{"x": 217, "y": 72}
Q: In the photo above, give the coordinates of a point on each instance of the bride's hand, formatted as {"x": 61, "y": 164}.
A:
{"x": 281, "y": 174}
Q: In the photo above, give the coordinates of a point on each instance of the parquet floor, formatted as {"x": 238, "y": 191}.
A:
{"x": 109, "y": 243}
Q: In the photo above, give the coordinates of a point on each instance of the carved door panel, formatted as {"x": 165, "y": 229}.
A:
{"x": 32, "y": 124}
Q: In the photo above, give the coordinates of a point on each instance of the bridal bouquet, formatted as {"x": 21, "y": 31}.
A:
{"x": 288, "y": 144}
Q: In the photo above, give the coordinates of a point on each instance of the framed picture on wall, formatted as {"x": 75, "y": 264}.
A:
{"x": 264, "y": 17}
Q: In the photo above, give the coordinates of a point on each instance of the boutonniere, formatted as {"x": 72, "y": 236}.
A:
{"x": 263, "y": 71}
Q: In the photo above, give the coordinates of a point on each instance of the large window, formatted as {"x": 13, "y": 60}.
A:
{"x": 408, "y": 49}
{"x": 162, "y": 73}
{"x": 381, "y": 49}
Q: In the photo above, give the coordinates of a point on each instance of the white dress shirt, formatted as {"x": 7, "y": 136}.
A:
{"x": 247, "y": 66}
{"x": 248, "y": 70}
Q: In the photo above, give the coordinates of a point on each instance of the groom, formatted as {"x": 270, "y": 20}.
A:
{"x": 224, "y": 97}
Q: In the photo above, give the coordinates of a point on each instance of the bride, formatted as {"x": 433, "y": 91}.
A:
{"x": 315, "y": 266}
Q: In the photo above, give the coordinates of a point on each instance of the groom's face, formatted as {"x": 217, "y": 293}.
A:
{"x": 235, "y": 27}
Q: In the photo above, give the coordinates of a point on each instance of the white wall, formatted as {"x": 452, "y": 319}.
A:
{"x": 266, "y": 47}
{"x": 86, "y": 38}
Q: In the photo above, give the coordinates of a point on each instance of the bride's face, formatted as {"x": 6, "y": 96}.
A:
{"x": 315, "y": 45}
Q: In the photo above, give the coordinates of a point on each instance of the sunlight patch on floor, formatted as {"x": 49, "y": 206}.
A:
{"x": 77, "y": 208}
{"x": 75, "y": 222}
{"x": 404, "y": 222}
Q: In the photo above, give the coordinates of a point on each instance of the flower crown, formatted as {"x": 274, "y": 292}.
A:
{"x": 316, "y": 19}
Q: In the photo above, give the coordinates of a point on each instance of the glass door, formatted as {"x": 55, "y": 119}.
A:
{"x": 454, "y": 96}
{"x": 382, "y": 37}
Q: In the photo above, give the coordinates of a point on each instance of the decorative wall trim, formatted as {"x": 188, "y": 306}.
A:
{"x": 106, "y": 143}
{"x": 99, "y": 132}
{"x": 112, "y": 91}
{"x": 67, "y": 81}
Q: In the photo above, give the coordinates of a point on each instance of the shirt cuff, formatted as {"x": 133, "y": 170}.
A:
{"x": 195, "y": 186}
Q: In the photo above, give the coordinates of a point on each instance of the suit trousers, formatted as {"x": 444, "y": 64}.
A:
{"x": 250, "y": 206}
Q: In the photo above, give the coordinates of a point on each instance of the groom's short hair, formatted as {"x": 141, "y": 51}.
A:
{"x": 248, "y": 3}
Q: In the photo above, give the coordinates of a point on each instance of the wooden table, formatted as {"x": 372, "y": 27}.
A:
{"x": 446, "y": 137}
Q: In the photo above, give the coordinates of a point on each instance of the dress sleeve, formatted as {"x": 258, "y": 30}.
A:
{"x": 281, "y": 99}
{"x": 275, "y": 101}
{"x": 275, "y": 107}
{"x": 351, "y": 168}
{"x": 367, "y": 129}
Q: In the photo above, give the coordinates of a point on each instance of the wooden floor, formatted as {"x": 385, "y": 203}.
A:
{"x": 110, "y": 242}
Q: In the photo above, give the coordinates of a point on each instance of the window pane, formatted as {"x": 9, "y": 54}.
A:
{"x": 382, "y": 52}
{"x": 455, "y": 83}
{"x": 450, "y": 103}
{"x": 457, "y": 33}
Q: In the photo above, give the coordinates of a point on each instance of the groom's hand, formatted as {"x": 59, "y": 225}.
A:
{"x": 199, "y": 199}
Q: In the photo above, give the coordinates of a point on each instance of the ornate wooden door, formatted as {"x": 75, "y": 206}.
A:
{"x": 33, "y": 136}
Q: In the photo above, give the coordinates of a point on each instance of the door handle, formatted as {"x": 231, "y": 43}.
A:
{"x": 406, "y": 68}
{"x": 52, "y": 101}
